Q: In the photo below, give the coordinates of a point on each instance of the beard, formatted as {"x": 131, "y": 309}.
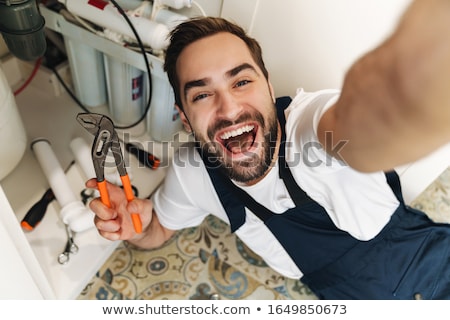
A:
{"x": 255, "y": 164}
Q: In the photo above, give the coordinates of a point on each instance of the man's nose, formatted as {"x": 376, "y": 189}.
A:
{"x": 229, "y": 106}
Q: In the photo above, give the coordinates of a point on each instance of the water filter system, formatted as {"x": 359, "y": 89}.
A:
{"x": 105, "y": 14}
{"x": 99, "y": 78}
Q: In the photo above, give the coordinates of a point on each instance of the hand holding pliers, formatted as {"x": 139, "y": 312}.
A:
{"x": 106, "y": 139}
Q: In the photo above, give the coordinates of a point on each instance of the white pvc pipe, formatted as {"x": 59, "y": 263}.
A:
{"x": 82, "y": 154}
{"x": 162, "y": 15}
{"x": 169, "y": 18}
{"x": 145, "y": 7}
{"x": 106, "y": 15}
{"x": 73, "y": 212}
{"x": 53, "y": 172}
{"x": 176, "y": 4}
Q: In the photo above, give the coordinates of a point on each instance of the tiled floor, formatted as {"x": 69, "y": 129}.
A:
{"x": 208, "y": 262}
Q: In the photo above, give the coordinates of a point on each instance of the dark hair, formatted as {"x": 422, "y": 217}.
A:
{"x": 195, "y": 29}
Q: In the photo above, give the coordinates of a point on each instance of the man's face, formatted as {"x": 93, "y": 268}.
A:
{"x": 229, "y": 105}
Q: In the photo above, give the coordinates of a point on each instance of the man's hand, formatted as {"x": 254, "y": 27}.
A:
{"x": 115, "y": 223}
{"x": 395, "y": 103}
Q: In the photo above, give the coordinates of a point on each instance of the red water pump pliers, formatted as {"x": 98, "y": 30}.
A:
{"x": 106, "y": 139}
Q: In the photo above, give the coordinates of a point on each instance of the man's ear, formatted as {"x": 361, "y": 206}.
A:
{"x": 184, "y": 119}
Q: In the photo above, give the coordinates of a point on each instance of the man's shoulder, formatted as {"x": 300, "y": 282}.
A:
{"x": 187, "y": 148}
{"x": 307, "y": 107}
{"x": 187, "y": 156}
{"x": 303, "y": 97}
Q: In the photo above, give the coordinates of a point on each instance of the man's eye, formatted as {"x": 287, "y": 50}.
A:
{"x": 242, "y": 83}
{"x": 199, "y": 97}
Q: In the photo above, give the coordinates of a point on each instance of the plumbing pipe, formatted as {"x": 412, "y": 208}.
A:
{"x": 145, "y": 9}
{"x": 73, "y": 212}
{"x": 82, "y": 154}
{"x": 105, "y": 14}
{"x": 176, "y": 4}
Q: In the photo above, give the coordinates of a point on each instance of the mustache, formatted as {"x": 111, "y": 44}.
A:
{"x": 224, "y": 123}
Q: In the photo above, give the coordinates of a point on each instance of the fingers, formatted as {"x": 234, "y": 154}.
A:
{"x": 113, "y": 190}
{"x": 114, "y": 223}
{"x": 101, "y": 211}
{"x": 144, "y": 208}
{"x": 91, "y": 183}
{"x": 106, "y": 220}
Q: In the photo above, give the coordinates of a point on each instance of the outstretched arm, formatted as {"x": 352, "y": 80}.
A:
{"x": 395, "y": 101}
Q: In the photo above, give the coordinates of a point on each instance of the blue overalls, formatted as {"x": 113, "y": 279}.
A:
{"x": 408, "y": 259}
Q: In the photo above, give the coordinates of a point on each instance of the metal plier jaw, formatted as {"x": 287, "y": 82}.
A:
{"x": 106, "y": 139}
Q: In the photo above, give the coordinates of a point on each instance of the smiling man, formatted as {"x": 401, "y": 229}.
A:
{"x": 227, "y": 99}
{"x": 266, "y": 165}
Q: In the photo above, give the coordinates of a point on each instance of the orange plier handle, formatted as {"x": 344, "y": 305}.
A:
{"x": 104, "y": 196}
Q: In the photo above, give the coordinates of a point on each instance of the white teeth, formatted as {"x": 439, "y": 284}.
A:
{"x": 237, "y": 132}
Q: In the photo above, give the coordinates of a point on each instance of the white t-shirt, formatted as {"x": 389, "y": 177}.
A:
{"x": 358, "y": 203}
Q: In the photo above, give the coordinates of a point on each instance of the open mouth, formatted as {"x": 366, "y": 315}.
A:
{"x": 239, "y": 140}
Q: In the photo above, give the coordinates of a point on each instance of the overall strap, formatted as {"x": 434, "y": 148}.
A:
{"x": 234, "y": 200}
{"x": 298, "y": 195}
{"x": 393, "y": 181}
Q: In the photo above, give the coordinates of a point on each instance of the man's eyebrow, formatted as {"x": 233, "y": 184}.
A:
{"x": 194, "y": 83}
{"x": 239, "y": 68}
{"x": 229, "y": 74}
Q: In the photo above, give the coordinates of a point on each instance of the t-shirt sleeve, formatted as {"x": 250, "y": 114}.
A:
{"x": 303, "y": 116}
{"x": 173, "y": 201}
{"x": 358, "y": 203}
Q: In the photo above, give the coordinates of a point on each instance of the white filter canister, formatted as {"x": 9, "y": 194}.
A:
{"x": 88, "y": 72}
{"x": 163, "y": 120}
{"x": 126, "y": 91}
{"x": 13, "y": 139}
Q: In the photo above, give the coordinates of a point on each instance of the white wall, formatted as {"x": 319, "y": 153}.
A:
{"x": 308, "y": 43}
{"x": 311, "y": 43}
